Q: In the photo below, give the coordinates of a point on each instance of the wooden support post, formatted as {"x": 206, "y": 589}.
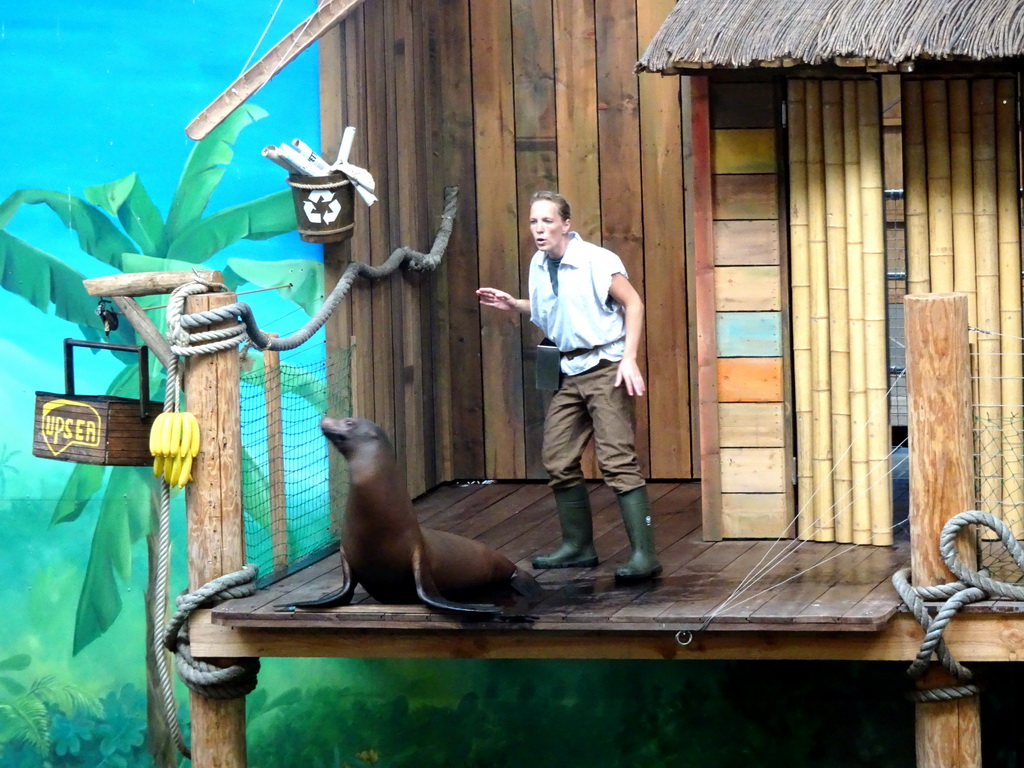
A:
{"x": 948, "y": 733}
{"x": 707, "y": 347}
{"x": 275, "y": 458}
{"x": 216, "y": 536}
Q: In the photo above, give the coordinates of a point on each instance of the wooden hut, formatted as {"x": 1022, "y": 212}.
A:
{"x": 813, "y": 110}
{"x": 746, "y": 200}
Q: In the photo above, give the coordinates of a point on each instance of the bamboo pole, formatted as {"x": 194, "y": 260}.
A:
{"x": 821, "y": 387}
{"x": 275, "y": 459}
{"x": 861, "y": 508}
{"x": 216, "y": 536}
{"x": 838, "y": 308}
{"x": 875, "y": 327}
{"x": 962, "y": 194}
{"x": 915, "y": 191}
{"x": 940, "y": 219}
{"x": 986, "y": 239}
{"x": 800, "y": 281}
{"x": 948, "y": 733}
{"x": 1008, "y": 174}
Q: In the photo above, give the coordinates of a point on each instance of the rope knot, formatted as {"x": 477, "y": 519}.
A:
{"x": 207, "y": 679}
{"x": 972, "y": 586}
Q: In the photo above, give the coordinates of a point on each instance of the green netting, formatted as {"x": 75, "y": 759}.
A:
{"x": 292, "y": 490}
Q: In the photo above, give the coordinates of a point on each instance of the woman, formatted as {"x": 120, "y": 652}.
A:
{"x": 582, "y": 300}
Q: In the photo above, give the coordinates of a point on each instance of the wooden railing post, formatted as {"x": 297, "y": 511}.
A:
{"x": 275, "y": 459}
{"x": 216, "y": 534}
{"x": 948, "y": 733}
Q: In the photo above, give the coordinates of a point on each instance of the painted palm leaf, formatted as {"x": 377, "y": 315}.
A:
{"x": 97, "y": 234}
{"x": 44, "y": 281}
{"x": 259, "y": 219}
{"x": 128, "y": 200}
{"x": 124, "y": 517}
{"x": 304, "y": 279}
{"x": 204, "y": 170}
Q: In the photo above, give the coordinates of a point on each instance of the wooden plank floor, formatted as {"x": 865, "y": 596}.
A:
{"x": 731, "y": 585}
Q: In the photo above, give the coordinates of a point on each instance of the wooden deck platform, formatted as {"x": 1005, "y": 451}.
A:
{"x": 803, "y": 585}
{"x": 813, "y": 601}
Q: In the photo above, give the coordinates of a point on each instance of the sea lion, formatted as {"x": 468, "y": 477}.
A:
{"x": 384, "y": 548}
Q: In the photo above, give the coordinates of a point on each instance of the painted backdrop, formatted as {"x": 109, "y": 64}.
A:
{"x": 100, "y": 92}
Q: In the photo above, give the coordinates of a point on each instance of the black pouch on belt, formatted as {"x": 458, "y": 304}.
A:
{"x": 549, "y": 365}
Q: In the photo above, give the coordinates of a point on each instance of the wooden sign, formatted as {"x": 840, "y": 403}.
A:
{"x": 92, "y": 430}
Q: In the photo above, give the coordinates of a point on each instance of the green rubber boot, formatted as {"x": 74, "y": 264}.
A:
{"x": 636, "y": 515}
{"x": 577, "y": 549}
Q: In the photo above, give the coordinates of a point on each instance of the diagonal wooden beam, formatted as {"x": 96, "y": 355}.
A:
{"x": 276, "y": 59}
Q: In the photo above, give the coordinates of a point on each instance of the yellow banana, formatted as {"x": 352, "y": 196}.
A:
{"x": 172, "y": 448}
{"x": 183, "y": 447}
{"x": 185, "y": 473}
{"x": 194, "y": 447}
{"x": 171, "y": 474}
{"x": 166, "y": 427}
{"x": 158, "y": 466}
{"x": 155, "y": 432}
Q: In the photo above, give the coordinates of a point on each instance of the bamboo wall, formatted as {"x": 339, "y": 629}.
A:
{"x": 503, "y": 98}
{"x": 840, "y": 336}
{"x": 963, "y": 234}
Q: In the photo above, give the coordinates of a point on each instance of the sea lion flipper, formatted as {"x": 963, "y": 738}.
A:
{"x": 340, "y": 596}
{"x": 524, "y": 584}
{"x": 428, "y": 592}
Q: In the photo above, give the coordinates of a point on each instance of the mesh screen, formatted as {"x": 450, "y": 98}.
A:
{"x": 998, "y": 463}
{"x": 293, "y": 489}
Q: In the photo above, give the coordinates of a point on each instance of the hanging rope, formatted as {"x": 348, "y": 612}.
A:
{"x": 403, "y": 256}
{"x": 238, "y": 679}
{"x": 972, "y": 586}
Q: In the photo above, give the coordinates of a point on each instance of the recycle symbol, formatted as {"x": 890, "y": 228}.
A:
{"x": 320, "y": 206}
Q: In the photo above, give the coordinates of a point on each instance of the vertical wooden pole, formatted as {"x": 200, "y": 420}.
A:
{"x": 859, "y": 405}
{"x": 834, "y": 154}
{"x": 707, "y": 348}
{"x": 986, "y": 278}
{"x": 800, "y": 280}
{"x": 962, "y": 170}
{"x": 875, "y": 329}
{"x": 820, "y": 527}
{"x": 915, "y": 201}
{"x": 939, "y": 175}
{"x": 1012, "y": 392}
{"x": 216, "y": 536}
{"x": 275, "y": 459}
{"x": 948, "y": 733}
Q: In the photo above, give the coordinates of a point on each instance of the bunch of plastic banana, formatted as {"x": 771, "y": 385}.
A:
{"x": 174, "y": 442}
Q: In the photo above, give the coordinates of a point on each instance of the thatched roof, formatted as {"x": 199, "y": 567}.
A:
{"x": 746, "y": 33}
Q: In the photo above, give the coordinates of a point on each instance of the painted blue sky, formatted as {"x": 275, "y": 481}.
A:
{"x": 93, "y": 91}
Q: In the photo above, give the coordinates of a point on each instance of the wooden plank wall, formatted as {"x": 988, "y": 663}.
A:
{"x": 747, "y": 304}
{"x": 503, "y": 98}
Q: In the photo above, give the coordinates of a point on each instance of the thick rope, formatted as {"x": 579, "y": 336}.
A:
{"x": 238, "y": 679}
{"x": 211, "y": 681}
{"x": 404, "y": 256}
{"x": 972, "y": 587}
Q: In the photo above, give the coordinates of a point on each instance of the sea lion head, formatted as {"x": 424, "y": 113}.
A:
{"x": 349, "y": 434}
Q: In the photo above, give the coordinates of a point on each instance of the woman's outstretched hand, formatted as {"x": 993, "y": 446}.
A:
{"x": 492, "y": 297}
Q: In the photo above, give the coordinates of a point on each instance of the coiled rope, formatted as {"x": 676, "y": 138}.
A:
{"x": 972, "y": 586}
{"x": 186, "y": 340}
{"x": 403, "y": 256}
